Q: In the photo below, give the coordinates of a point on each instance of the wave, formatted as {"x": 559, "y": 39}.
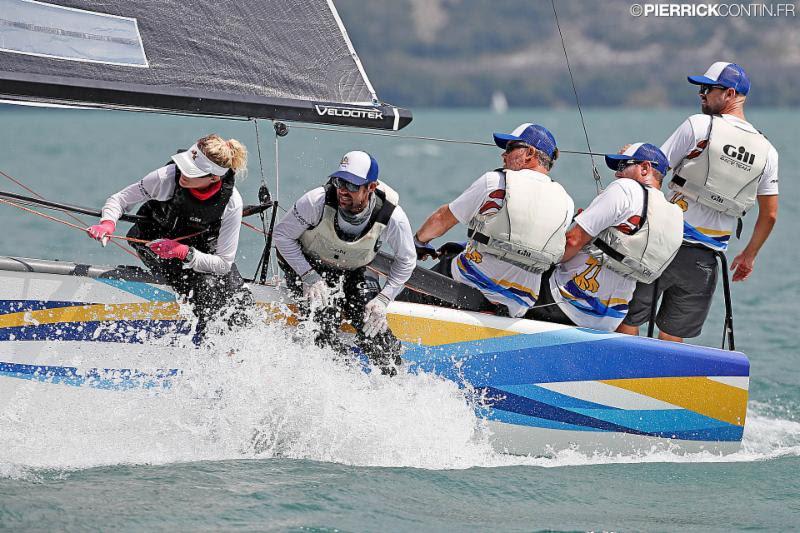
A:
{"x": 268, "y": 392}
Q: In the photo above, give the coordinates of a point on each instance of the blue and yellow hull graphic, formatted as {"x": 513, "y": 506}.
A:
{"x": 542, "y": 386}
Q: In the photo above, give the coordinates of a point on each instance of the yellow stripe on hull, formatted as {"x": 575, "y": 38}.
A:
{"x": 431, "y": 332}
{"x": 93, "y": 313}
{"x": 701, "y": 395}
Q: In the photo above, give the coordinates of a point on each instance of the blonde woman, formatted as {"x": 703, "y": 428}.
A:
{"x": 194, "y": 195}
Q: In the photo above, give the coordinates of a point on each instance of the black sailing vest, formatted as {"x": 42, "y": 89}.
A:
{"x": 183, "y": 214}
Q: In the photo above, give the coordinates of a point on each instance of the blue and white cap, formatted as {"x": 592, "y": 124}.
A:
{"x": 531, "y": 134}
{"x": 728, "y": 75}
{"x": 357, "y": 167}
{"x": 640, "y": 152}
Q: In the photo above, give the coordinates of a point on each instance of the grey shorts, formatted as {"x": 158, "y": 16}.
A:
{"x": 687, "y": 287}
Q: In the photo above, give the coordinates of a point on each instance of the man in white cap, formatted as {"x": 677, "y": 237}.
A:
{"x": 722, "y": 167}
{"x": 629, "y": 232}
{"x": 327, "y": 239}
{"x": 517, "y": 218}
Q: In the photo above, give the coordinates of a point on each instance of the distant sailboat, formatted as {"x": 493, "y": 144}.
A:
{"x": 499, "y": 103}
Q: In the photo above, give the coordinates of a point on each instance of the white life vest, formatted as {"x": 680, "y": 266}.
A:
{"x": 725, "y": 175}
{"x": 529, "y": 231}
{"x": 327, "y": 243}
{"x": 645, "y": 253}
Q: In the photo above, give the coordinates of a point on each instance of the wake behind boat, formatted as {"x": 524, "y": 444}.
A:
{"x": 542, "y": 387}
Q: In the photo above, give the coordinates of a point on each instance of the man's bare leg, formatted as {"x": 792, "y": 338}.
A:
{"x": 628, "y": 330}
{"x": 667, "y": 337}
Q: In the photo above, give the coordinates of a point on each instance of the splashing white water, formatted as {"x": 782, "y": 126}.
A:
{"x": 276, "y": 398}
{"x": 273, "y": 397}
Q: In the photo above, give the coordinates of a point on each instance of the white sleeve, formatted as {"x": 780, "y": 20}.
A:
{"x": 468, "y": 204}
{"x": 400, "y": 239}
{"x": 157, "y": 185}
{"x": 306, "y": 213}
{"x": 219, "y": 263}
{"x": 768, "y": 184}
{"x": 610, "y": 208}
{"x": 680, "y": 143}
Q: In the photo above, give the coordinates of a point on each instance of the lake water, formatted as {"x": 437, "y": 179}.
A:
{"x": 357, "y": 453}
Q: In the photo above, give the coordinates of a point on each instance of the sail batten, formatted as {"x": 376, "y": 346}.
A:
{"x": 279, "y": 59}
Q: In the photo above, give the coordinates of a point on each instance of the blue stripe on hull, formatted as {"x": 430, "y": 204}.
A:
{"x": 669, "y": 423}
{"x": 573, "y": 355}
{"x": 505, "y": 401}
{"x": 17, "y": 306}
{"x": 124, "y": 331}
{"x": 722, "y": 434}
{"x": 140, "y": 289}
{"x": 109, "y": 379}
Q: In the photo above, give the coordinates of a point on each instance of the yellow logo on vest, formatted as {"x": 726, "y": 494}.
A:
{"x": 587, "y": 280}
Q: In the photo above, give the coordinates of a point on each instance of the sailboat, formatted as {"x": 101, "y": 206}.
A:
{"x": 544, "y": 387}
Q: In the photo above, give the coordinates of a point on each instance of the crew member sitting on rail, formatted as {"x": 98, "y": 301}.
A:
{"x": 324, "y": 244}
{"x": 629, "y": 233}
{"x": 517, "y": 218}
{"x": 193, "y": 217}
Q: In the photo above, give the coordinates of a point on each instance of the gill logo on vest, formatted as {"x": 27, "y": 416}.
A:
{"x": 587, "y": 280}
{"x": 738, "y": 157}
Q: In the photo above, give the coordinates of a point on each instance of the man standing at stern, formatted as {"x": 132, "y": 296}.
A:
{"x": 517, "y": 218}
{"x": 324, "y": 244}
{"x": 722, "y": 167}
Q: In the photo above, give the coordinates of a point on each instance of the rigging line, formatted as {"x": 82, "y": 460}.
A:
{"x": 73, "y": 217}
{"x": 254, "y": 228}
{"x": 595, "y": 172}
{"x": 258, "y": 145}
{"x": 272, "y": 270}
{"x": 277, "y": 169}
{"x": 83, "y": 229}
{"x": 422, "y": 138}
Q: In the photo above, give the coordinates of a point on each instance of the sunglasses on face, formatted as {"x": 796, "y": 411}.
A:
{"x": 510, "y": 147}
{"x": 622, "y": 165}
{"x": 339, "y": 183}
{"x": 705, "y": 89}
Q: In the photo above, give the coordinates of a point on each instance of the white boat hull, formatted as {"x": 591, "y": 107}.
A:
{"x": 546, "y": 387}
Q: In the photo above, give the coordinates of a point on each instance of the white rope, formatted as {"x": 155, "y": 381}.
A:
{"x": 419, "y": 138}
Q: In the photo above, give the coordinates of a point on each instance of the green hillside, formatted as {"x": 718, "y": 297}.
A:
{"x": 458, "y": 52}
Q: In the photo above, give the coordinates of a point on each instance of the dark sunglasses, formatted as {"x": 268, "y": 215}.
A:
{"x": 622, "y": 165}
{"x": 339, "y": 183}
{"x": 705, "y": 89}
{"x": 513, "y": 145}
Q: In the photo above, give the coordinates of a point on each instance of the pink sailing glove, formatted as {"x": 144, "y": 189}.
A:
{"x": 102, "y": 232}
{"x": 169, "y": 249}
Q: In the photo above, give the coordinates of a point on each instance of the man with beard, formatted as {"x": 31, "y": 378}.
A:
{"x": 722, "y": 167}
{"x": 324, "y": 244}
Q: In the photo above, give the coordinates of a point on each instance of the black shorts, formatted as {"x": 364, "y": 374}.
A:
{"x": 687, "y": 287}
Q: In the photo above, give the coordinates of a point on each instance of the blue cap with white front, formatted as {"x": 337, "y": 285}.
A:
{"x": 357, "y": 167}
{"x": 531, "y": 134}
{"x": 640, "y": 152}
{"x": 728, "y": 75}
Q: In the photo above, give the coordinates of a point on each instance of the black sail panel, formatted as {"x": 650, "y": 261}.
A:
{"x": 281, "y": 59}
